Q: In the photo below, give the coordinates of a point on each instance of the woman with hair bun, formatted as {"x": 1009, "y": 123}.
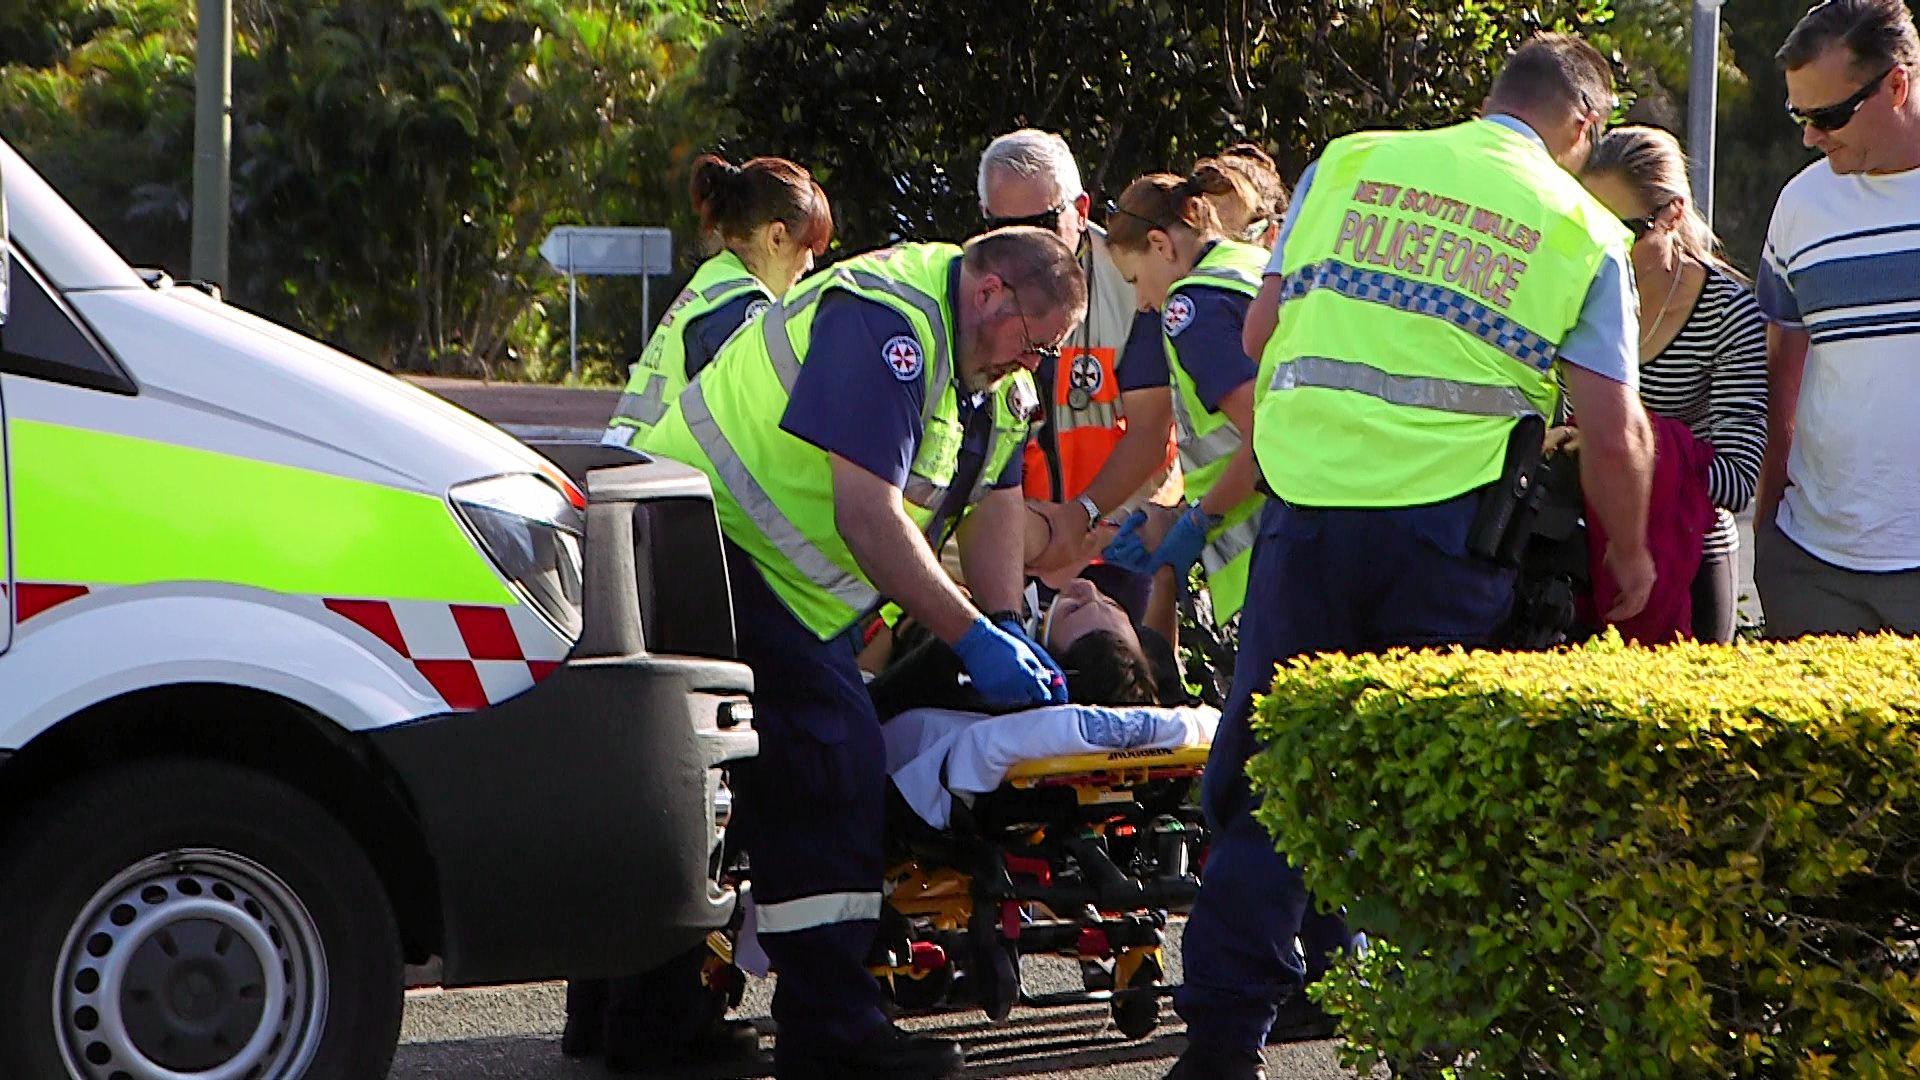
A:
{"x": 1166, "y": 239}
{"x": 769, "y": 219}
{"x": 1253, "y": 215}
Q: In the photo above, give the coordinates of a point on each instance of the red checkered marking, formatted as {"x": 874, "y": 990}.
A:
{"x": 33, "y": 597}
{"x": 473, "y": 655}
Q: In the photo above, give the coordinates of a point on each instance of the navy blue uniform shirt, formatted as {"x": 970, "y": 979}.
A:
{"x": 861, "y": 389}
{"x": 706, "y": 334}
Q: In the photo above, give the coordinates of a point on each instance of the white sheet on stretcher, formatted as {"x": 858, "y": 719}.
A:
{"x": 936, "y": 755}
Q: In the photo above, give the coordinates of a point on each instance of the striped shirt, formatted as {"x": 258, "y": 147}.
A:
{"x": 1843, "y": 263}
{"x": 1713, "y": 378}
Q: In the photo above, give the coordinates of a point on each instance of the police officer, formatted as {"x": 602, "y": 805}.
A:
{"x": 1166, "y": 240}
{"x": 1093, "y": 451}
{"x": 772, "y": 220}
{"x": 882, "y": 398}
{"x": 1433, "y": 283}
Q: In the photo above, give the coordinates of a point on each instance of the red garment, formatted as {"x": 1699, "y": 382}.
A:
{"x": 1678, "y": 517}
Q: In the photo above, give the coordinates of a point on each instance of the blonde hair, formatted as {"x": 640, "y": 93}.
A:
{"x": 1650, "y": 161}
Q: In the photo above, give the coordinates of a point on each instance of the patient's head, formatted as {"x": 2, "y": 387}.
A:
{"x": 1105, "y": 669}
{"x": 1082, "y": 609}
{"x": 1096, "y": 643}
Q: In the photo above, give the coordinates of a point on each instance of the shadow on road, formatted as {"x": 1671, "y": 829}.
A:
{"x": 1038, "y": 1043}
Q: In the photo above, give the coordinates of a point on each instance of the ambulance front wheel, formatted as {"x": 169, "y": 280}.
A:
{"x": 188, "y": 917}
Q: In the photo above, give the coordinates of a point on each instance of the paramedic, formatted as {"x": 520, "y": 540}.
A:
{"x": 879, "y": 401}
{"x": 1167, "y": 241}
{"x": 771, "y": 220}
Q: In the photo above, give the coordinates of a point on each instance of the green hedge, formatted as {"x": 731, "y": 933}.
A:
{"x": 1613, "y": 862}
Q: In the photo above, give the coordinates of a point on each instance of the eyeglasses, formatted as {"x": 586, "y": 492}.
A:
{"x": 1641, "y": 226}
{"x": 1838, "y": 115}
{"x": 1047, "y": 219}
{"x": 1115, "y": 208}
{"x": 1048, "y": 354}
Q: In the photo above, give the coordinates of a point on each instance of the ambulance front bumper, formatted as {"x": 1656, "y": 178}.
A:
{"x": 573, "y": 828}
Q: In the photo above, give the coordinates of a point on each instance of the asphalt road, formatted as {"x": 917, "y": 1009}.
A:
{"x": 514, "y": 1032}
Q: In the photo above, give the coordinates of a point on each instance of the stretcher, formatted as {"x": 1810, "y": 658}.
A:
{"x": 1082, "y": 851}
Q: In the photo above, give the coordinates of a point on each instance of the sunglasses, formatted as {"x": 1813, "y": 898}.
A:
{"x": 1115, "y": 208}
{"x": 1046, "y": 219}
{"x": 1641, "y": 226}
{"x": 1838, "y": 115}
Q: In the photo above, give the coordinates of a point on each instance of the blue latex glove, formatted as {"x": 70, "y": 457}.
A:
{"x": 1184, "y": 542}
{"x": 1004, "y": 669}
{"x": 1013, "y": 628}
{"x": 1126, "y": 550}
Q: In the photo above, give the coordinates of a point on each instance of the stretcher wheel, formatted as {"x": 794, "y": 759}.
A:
{"x": 1136, "y": 1007}
{"x": 923, "y": 994}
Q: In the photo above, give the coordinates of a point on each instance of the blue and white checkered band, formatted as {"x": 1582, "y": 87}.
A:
{"x": 1424, "y": 298}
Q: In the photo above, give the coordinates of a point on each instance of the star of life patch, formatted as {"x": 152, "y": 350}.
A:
{"x": 757, "y": 309}
{"x": 1178, "y": 316}
{"x": 903, "y": 355}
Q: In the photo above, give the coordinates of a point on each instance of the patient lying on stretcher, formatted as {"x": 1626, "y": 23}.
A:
{"x": 941, "y": 743}
{"x": 1108, "y": 660}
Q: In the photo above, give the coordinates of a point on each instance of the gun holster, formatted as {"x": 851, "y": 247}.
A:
{"x": 1553, "y": 568}
{"x": 1508, "y": 506}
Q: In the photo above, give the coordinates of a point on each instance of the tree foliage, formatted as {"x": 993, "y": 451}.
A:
{"x": 396, "y": 162}
{"x": 893, "y": 103}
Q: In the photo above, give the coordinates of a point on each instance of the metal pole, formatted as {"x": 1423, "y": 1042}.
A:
{"x": 212, "y": 140}
{"x": 573, "y": 325}
{"x": 646, "y": 309}
{"x": 1703, "y": 98}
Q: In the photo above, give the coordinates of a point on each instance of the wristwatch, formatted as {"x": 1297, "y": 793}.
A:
{"x": 1093, "y": 511}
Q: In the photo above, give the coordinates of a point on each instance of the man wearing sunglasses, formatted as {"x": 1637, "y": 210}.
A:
{"x": 1837, "y": 519}
{"x": 1083, "y": 464}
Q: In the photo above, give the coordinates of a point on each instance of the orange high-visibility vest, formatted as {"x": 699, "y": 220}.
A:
{"x": 1083, "y": 422}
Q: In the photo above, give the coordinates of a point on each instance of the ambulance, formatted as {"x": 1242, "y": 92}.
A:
{"x": 306, "y": 674}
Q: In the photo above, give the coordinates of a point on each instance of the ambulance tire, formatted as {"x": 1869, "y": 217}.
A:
{"x": 208, "y": 854}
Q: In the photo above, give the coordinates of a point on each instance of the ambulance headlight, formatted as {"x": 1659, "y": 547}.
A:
{"x": 533, "y": 534}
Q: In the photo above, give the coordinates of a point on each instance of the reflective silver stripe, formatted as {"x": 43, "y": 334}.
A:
{"x": 1226, "y": 273}
{"x": 786, "y": 363}
{"x": 813, "y": 912}
{"x": 715, "y": 292}
{"x": 647, "y": 406}
{"x": 923, "y": 492}
{"x": 760, "y": 509}
{"x": 1199, "y": 451}
{"x": 1457, "y": 309}
{"x": 1096, "y": 414}
{"x": 1230, "y": 545}
{"x": 773, "y": 328}
{"x": 1419, "y": 391}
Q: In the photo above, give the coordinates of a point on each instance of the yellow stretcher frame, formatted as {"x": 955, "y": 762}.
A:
{"x": 1098, "y": 778}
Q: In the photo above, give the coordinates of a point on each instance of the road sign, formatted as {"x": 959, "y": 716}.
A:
{"x": 607, "y": 251}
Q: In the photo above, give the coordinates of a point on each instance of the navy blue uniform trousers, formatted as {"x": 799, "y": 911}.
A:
{"x": 811, "y": 809}
{"x": 1321, "y": 581}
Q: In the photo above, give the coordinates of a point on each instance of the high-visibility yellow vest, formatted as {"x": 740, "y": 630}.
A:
{"x": 1208, "y": 440}
{"x": 660, "y": 374}
{"x": 773, "y": 491}
{"x": 1430, "y": 279}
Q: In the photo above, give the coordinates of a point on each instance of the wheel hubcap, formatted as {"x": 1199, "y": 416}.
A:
{"x": 198, "y": 964}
